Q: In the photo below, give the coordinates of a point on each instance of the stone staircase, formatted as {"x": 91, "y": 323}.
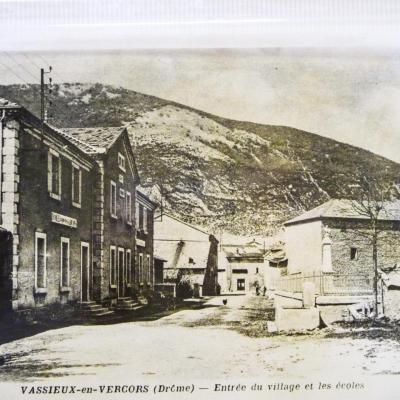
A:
{"x": 93, "y": 310}
{"x": 127, "y": 304}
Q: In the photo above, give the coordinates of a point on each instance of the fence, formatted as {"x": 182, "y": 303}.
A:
{"x": 327, "y": 283}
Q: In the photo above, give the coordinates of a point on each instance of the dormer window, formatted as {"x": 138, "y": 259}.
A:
{"x": 121, "y": 162}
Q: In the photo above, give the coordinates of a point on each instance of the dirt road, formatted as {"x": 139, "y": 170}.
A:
{"x": 194, "y": 344}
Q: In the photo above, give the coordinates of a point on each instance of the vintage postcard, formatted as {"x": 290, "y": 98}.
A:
{"x": 205, "y": 223}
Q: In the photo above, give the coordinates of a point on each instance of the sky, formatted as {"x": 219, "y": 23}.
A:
{"x": 328, "y": 67}
{"x": 351, "y": 95}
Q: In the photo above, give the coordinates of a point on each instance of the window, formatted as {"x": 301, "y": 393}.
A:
{"x": 191, "y": 261}
{"x": 148, "y": 266}
{"x": 128, "y": 206}
{"x": 137, "y": 222}
{"x": 140, "y": 267}
{"x": 76, "y": 186}
{"x": 257, "y": 270}
{"x": 113, "y": 199}
{"x": 40, "y": 260}
{"x": 241, "y": 284}
{"x": 128, "y": 266}
{"x": 353, "y": 253}
{"x": 64, "y": 262}
{"x": 121, "y": 162}
{"x": 145, "y": 219}
{"x": 54, "y": 174}
{"x": 113, "y": 266}
{"x": 239, "y": 271}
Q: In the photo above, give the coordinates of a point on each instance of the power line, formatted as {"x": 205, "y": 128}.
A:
{"x": 14, "y": 73}
{"x": 48, "y": 64}
{"x": 19, "y": 65}
{"x": 32, "y": 61}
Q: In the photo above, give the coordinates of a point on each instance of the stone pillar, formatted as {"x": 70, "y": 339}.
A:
{"x": 98, "y": 233}
{"x": 10, "y": 195}
{"x": 308, "y": 295}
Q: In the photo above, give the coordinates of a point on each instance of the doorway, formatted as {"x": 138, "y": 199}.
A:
{"x": 86, "y": 275}
{"x": 121, "y": 272}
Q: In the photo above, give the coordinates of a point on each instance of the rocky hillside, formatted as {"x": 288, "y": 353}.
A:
{"x": 240, "y": 177}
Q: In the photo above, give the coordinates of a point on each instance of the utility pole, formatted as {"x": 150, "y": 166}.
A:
{"x": 43, "y": 110}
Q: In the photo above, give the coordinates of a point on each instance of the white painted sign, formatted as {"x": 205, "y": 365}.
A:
{"x": 64, "y": 220}
{"x": 140, "y": 242}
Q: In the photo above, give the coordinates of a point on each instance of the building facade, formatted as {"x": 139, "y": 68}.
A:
{"x": 191, "y": 254}
{"x": 145, "y": 276}
{"x": 245, "y": 268}
{"x": 69, "y": 231}
{"x": 46, "y": 206}
{"x": 114, "y": 199}
{"x": 333, "y": 239}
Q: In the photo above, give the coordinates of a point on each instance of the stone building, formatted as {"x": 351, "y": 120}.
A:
{"x": 334, "y": 238}
{"x": 330, "y": 246}
{"x": 68, "y": 228}
{"x": 46, "y": 206}
{"x": 190, "y": 253}
{"x": 245, "y": 268}
{"x": 144, "y": 240}
{"x": 114, "y": 199}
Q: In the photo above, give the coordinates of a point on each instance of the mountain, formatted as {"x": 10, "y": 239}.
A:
{"x": 240, "y": 177}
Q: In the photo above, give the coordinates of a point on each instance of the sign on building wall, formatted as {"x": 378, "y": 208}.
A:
{"x": 63, "y": 220}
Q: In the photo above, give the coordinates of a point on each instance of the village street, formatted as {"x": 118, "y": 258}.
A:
{"x": 215, "y": 341}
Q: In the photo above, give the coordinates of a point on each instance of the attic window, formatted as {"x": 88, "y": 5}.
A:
{"x": 121, "y": 162}
{"x": 191, "y": 261}
{"x": 353, "y": 253}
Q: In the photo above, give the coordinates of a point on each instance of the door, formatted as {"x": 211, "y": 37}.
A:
{"x": 241, "y": 284}
{"x": 121, "y": 272}
{"x": 5, "y": 271}
{"x": 86, "y": 279}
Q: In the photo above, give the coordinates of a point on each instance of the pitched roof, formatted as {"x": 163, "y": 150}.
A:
{"x": 166, "y": 214}
{"x": 177, "y": 253}
{"x": 95, "y": 140}
{"x": 343, "y": 208}
{"x": 4, "y": 103}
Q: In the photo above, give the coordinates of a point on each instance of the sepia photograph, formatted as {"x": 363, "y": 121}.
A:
{"x": 211, "y": 222}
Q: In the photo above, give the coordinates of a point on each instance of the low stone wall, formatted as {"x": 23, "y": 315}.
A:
{"x": 296, "y": 319}
{"x": 335, "y": 308}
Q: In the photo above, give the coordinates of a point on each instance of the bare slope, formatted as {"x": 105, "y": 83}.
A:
{"x": 242, "y": 177}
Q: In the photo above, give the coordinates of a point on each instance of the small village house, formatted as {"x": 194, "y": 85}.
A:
{"x": 330, "y": 246}
{"x": 191, "y": 254}
{"x": 245, "y": 269}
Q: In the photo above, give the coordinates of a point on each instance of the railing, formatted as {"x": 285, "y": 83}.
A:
{"x": 327, "y": 283}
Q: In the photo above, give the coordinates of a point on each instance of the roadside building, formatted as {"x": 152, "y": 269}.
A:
{"x": 46, "y": 206}
{"x": 145, "y": 276}
{"x": 246, "y": 267}
{"x": 191, "y": 254}
{"x": 114, "y": 200}
{"x": 330, "y": 246}
{"x": 68, "y": 228}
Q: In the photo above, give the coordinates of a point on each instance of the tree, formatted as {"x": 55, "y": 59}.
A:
{"x": 376, "y": 189}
